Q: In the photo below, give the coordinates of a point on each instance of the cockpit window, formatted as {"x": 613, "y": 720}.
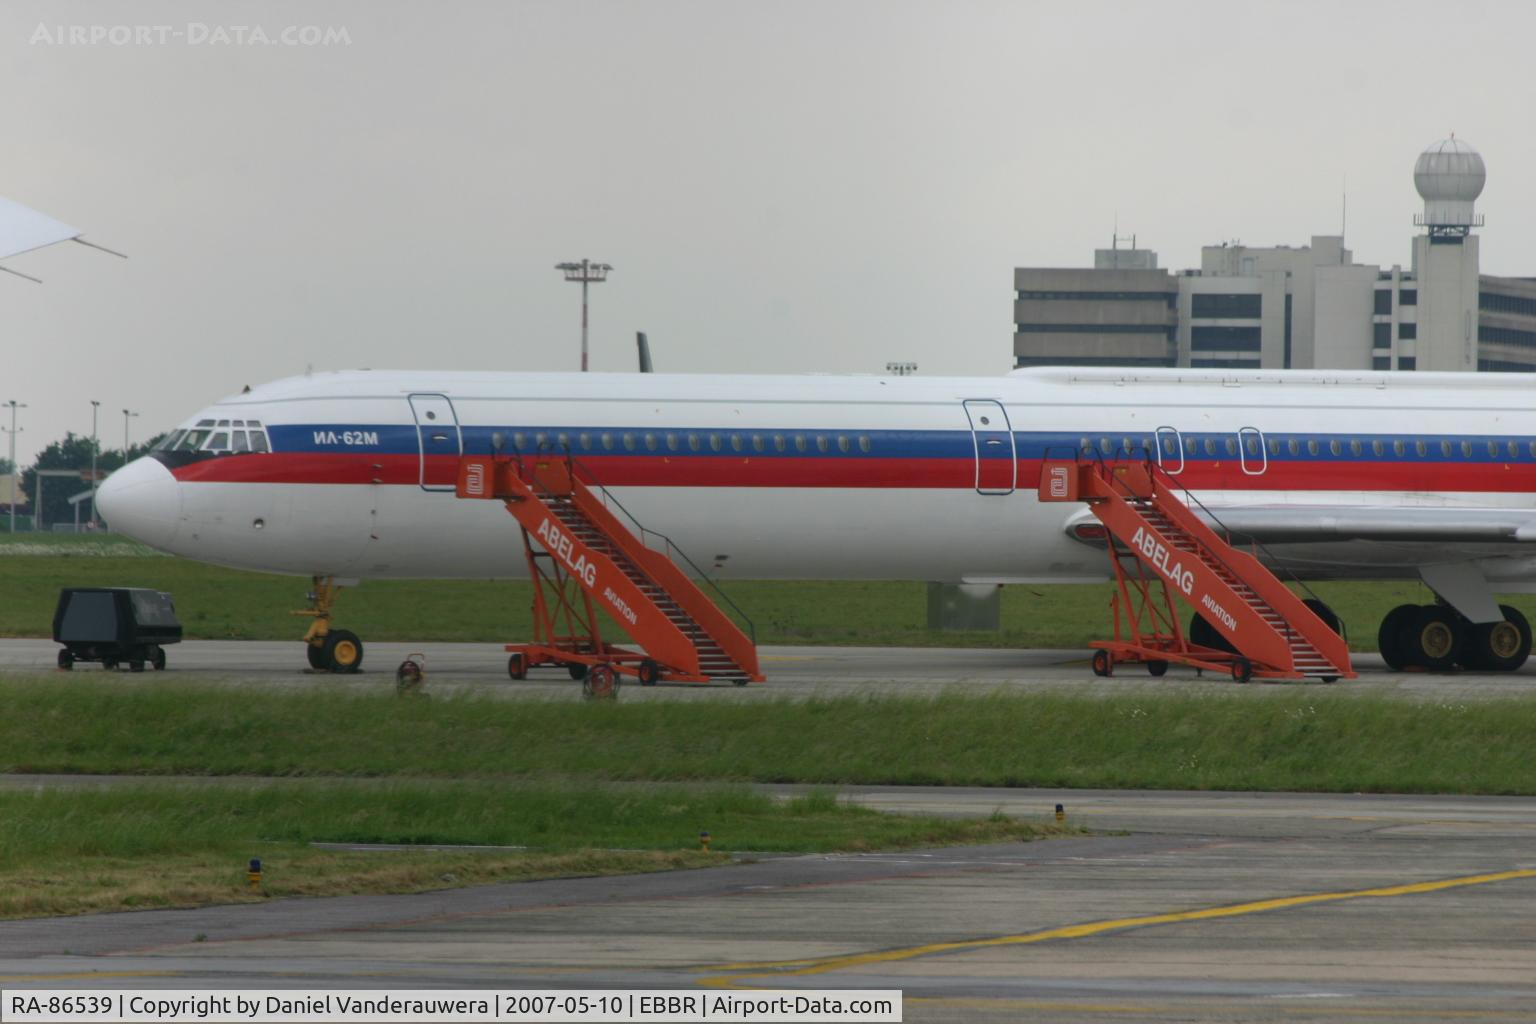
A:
{"x": 259, "y": 441}
{"x": 218, "y": 442}
{"x": 240, "y": 443}
{"x": 192, "y": 440}
{"x": 168, "y": 442}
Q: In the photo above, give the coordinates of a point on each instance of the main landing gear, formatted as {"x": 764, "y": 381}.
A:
{"x": 1437, "y": 637}
{"x": 329, "y": 650}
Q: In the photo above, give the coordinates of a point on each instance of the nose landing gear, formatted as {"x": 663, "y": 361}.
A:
{"x": 329, "y": 650}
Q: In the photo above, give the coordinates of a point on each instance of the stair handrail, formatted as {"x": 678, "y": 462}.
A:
{"x": 1156, "y": 471}
{"x": 671, "y": 549}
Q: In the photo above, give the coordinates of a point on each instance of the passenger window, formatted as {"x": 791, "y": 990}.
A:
{"x": 1168, "y": 445}
{"x": 735, "y": 442}
{"x": 842, "y": 444}
{"x": 800, "y": 445}
{"x": 1420, "y": 448}
{"x": 563, "y": 440}
{"x": 714, "y": 442}
{"x": 757, "y": 442}
{"x": 607, "y": 442}
{"x": 518, "y": 438}
{"x": 1334, "y": 448}
{"x": 585, "y": 440}
{"x": 671, "y": 442}
{"x": 1311, "y": 447}
{"x": 1399, "y": 449}
{"x": 1378, "y": 449}
{"x": 1106, "y": 445}
{"x": 821, "y": 442}
{"x": 1466, "y": 449}
{"x": 1274, "y": 447}
{"x": 258, "y": 441}
{"x": 1354, "y": 448}
{"x": 629, "y": 442}
{"x": 1493, "y": 449}
{"x": 693, "y": 442}
{"x": 650, "y": 442}
{"x": 1210, "y": 446}
{"x": 778, "y": 442}
{"x": 1252, "y": 444}
{"x": 864, "y": 444}
{"x": 1293, "y": 446}
{"x": 1231, "y": 446}
{"x": 240, "y": 443}
{"x": 540, "y": 437}
{"x": 1513, "y": 449}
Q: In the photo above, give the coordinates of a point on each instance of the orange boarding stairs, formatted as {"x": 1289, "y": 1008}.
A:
{"x": 1272, "y": 633}
{"x": 582, "y": 557}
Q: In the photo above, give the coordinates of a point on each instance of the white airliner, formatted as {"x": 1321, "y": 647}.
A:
{"x": 1340, "y": 475}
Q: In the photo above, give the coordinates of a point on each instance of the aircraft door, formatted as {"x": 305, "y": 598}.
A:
{"x": 1170, "y": 450}
{"x": 992, "y": 439}
{"x": 1250, "y": 451}
{"x": 439, "y": 441}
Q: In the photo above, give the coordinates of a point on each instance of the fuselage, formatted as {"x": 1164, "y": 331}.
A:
{"x": 930, "y": 478}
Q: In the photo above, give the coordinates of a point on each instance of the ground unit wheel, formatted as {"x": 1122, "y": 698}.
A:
{"x": 1242, "y": 669}
{"x": 1433, "y": 638}
{"x": 135, "y": 665}
{"x": 601, "y": 683}
{"x": 1157, "y": 668}
{"x": 577, "y": 670}
{"x": 66, "y": 660}
{"x": 157, "y": 658}
{"x": 1102, "y": 664}
{"x": 648, "y": 672}
{"x": 1389, "y": 638}
{"x": 109, "y": 664}
{"x": 343, "y": 651}
{"x": 741, "y": 682}
{"x": 517, "y": 667}
{"x": 1498, "y": 646}
{"x": 315, "y": 653}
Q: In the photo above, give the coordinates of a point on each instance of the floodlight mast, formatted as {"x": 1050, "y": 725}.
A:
{"x": 587, "y": 273}
{"x": 126, "y": 415}
{"x": 13, "y": 405}
{"x": 95, "y": 408}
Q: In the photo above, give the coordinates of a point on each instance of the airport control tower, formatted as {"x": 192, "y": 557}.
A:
{"x": 1449, "y": 176}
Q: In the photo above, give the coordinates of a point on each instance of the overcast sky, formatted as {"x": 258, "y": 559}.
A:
{"x": 818, "y": 186}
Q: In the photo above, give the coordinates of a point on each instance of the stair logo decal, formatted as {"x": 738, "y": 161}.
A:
{"x": 564, "y": 547}
{"x": 1157, "y": 553}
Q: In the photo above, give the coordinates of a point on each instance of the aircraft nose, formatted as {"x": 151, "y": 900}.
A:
{"x": 142, "y": 500}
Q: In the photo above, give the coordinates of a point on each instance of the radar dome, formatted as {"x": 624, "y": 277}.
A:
{"x": 1449, "y": 176}
{"x": 1450, "y": 169}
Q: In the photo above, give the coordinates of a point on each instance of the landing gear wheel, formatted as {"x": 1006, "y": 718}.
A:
{"x": 1325, "y": 613}
{"x": 1157, "y": 668}
{"x": 1498, "y": 646}
{"x": 1203, "y": 634}
{"x": 578, "y": 671}
{"x": 648, "y": 672}
{"x": 1433, "y": 638}
{"x": 1242, "y": 669}
{"x": 66, "y": 660}
{"x": 517, "y": 667}
{"x": 109, "y": 664}
{"x": 135, "y": 666}
{"x": 602, "y": 683}
{"x": 1102, "y": 665}
{"x": 316, "y": 655}
{"x": 1389, "y": 638}
{"x": 157, "y": 658}
{"x": 343, "y": 651}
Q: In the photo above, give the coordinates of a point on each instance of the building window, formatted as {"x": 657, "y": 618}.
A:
{"x": 1224, "y": 364}
{"x": 1383, "y": 301}
{"x": 1381, "y": 335}
{"x": 1406, "y": 362}
{"x": 1407, "y": 331}
{"x": 1091, "y": 328}
{"x": 1507, "y": 336}
{"x": 1495, "y": 303}
{"x": 1381, "y": 362}
{"x": 1209, "y": 306}
{"x": 1224, "y": 339}
{"x": 1408, "y": 297}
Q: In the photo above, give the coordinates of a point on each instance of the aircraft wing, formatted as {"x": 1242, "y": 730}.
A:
{"x": 1302, "y": 524}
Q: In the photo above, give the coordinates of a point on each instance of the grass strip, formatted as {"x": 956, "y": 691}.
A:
{"x": 84, "y": 848}
{"x": 1320, "y": 740}
{"x": 217, "y": 603}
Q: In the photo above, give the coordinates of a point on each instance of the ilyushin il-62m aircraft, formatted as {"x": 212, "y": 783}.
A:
{"x": 351, "y": 476}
